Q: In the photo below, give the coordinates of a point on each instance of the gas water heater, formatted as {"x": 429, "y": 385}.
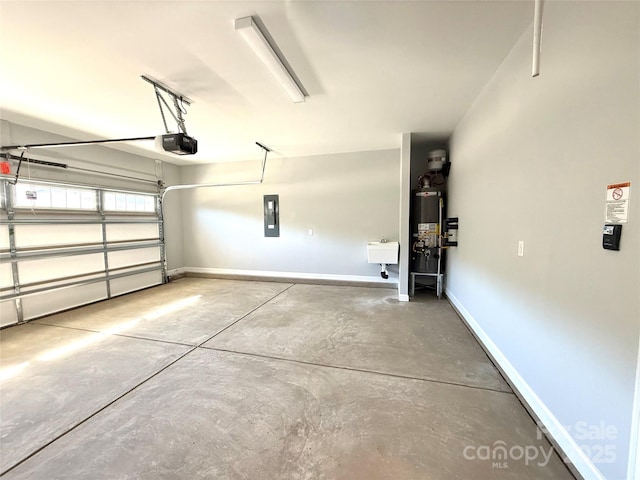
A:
{"x": 431, "y": 233}
{"x": 425, "y": 230}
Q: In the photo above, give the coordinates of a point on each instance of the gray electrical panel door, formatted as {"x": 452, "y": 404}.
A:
{"x": 271, "y": 216}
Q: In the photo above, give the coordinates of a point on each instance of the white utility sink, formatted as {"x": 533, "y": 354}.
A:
{"x": 383, "y": 252}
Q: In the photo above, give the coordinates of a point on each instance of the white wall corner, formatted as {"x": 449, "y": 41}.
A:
{"x": 573, "y": 454}
{"x": 403, "y": 297}
{"x": 403, "y": 227}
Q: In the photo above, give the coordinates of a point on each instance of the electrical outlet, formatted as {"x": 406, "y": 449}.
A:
{"x": 521, "y": 248}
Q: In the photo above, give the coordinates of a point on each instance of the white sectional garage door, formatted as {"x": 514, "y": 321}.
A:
{"x": 67, "y": 245}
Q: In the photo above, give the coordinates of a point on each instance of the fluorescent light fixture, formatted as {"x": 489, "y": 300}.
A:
{"x": 257, "y": 41}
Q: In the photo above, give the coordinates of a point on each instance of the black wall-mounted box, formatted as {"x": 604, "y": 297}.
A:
{"x": 611, "y": 237}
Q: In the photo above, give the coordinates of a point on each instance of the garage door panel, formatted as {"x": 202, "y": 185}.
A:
{"x": 127, "y": 258}
{"x": 31, "y": 271}
{"x": 56, "y": 300}
{"x": 63, "y": 282}
{"x": 131, "y": 283}
{"x": 117, "y": 232}
{"x": 8, "y": 314}
{"x": 6, "y": 279}
{"x": 4, "y": 237}
{"x": 42, "y": 235}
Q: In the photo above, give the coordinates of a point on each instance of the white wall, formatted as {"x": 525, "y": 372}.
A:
{"x": 531, "y": 161}
{"x": 347, "y": 199}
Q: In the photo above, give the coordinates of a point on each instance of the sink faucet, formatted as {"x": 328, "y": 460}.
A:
{"x": 383, "y": 240}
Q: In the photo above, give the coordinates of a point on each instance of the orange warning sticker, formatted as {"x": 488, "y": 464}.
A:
{"x": 618, "y": 185}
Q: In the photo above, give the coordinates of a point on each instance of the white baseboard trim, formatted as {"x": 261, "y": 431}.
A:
{"x": 403, "y": 297}
{"x": 177, "y": 272}
{"x": 554, "y": 429}
{"x": 327, "y": 277}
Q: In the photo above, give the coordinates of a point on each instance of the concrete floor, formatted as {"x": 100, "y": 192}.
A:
{"x": 225, "y": 379}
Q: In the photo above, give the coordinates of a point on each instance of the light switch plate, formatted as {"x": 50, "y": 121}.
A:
{"x": 521, "y": 248}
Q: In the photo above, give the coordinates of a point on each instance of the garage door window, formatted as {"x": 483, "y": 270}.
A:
{"x": 128, "y": 202}
{"x": 33, "y": 195}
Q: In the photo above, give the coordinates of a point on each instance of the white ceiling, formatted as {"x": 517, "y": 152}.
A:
{"x": 373, "y": 70}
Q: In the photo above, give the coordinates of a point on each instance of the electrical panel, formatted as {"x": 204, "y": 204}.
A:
{"x": 271, "y": 216}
